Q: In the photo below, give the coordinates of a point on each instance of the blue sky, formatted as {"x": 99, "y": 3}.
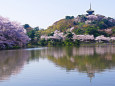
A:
{"x": 44, "y": 13}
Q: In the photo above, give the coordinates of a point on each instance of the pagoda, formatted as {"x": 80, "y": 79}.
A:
{"x": 90, "y": 11}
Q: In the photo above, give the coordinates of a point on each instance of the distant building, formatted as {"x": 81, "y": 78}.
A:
{"x": 90, "y": 11}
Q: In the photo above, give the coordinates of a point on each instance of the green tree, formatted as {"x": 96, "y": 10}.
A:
{"x": 36, "y": 28}
{"x": 26, "y": 26}
{"x": 79, "y": 31}
{"x": 68, "y": 42}
{"x": 34, "y": 35}
{"x": 77, "y": 42}
{"x": 43, "y": 42}
{"x": 31, "y": 35}
{"x": 92, "y": 31}
{"x": 69, "y": 35}
{"x": 69, "y": 17}
{"x": 113, "y": 30}
{"x": 51, "y": 34}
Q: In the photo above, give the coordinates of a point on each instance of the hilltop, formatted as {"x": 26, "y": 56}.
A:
{"x": 84, "y": 24}
{"x": 89, "y": 23}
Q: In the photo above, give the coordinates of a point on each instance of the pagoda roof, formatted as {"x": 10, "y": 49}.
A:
{"x": 90, "y": 10}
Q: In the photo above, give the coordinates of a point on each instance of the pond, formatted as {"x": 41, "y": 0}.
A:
{"x": 58, "y": 66}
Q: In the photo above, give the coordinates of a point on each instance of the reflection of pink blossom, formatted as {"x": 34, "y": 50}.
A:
{"x": 11, "y": 34}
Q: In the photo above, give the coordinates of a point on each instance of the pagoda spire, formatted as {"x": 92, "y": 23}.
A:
{"x": 90, "y": 6}
{"x": 90, "y": 11}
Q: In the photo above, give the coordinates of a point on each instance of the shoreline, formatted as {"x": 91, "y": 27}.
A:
{"x": 82, "y": 44}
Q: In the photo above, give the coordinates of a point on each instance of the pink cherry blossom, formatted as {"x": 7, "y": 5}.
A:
{"x": 12, "y": 34}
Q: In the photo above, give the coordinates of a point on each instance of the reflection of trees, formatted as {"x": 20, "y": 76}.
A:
{"x": 59, "y": 52}
{"x": 84, "y": 59}
{"x": 11, "y": 62}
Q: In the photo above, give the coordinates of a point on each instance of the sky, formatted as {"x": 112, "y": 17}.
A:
{"x": 44, "y": 13}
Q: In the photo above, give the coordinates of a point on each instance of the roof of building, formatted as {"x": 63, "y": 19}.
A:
{"x": 90, "y": 10}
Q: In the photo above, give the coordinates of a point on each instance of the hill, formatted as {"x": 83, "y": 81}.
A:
{"x": 84, "y": 24}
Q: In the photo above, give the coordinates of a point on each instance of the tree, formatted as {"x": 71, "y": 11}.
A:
{"x": 113, "y": 30}
{"x": 31, "y": 34}
{"x": 12, "y": 34}
{"x": 36, "y": 28}
{"x": 42, "y": 42}
{"x": 68, "y": 42}
{"x": 69, "y": 17}
{"x": 77, "y": 43}
{"x": 51, "y": 34}
{"x": 79, "y": 31}
{"x": 91, "y": 30}
{"x": 69, "y": 35}
{"x": 26, "y": 26}
{"x": 34, "y": 35}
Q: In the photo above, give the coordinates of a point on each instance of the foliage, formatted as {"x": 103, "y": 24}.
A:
{"x": 34, "y": 35}
{"x": 68, "y": 42}
{"x": 82, "y": 22}
{"x": 31, "y": 34}
{"x": 36, "y": 28}
{"x": 65, "y": 33}
{"x": 50, "y": 42}
{"x": 12, "y": 34}
{"x": 92, "y": 31}
{"x": 77, "y": 42}
{"x": 42, "y": 42}
{"x": 113, "y": 30}
{"x": 78, "y": 31}
{"x": 69, "y": 17}
{"x": 51, "y": 34}
{"x": 82, "y": 18}
{"x": 62, "y": 25}
{"x": 26, "y": 26}
{"x": 69, "y": 35}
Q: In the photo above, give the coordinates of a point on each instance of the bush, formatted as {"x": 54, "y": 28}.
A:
{"x": 77, "y": 43}
{"x": 68, "y": 42}
{"x": 43, "y": 42}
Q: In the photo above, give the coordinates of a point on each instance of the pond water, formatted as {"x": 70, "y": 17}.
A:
{"x": 58, "y": 66}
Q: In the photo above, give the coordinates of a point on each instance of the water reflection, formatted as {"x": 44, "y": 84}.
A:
{"x": 90, "y": 60}
{"x": 11, "y": 62}
{"x": 86, "y": 59}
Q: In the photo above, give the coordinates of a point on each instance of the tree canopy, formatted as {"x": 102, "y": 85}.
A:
{"x": 12, "y": 34}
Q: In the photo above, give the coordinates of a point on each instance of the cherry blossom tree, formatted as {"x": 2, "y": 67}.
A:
{"x": 12, "y": 34}
{"x": 92, "y": 17}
